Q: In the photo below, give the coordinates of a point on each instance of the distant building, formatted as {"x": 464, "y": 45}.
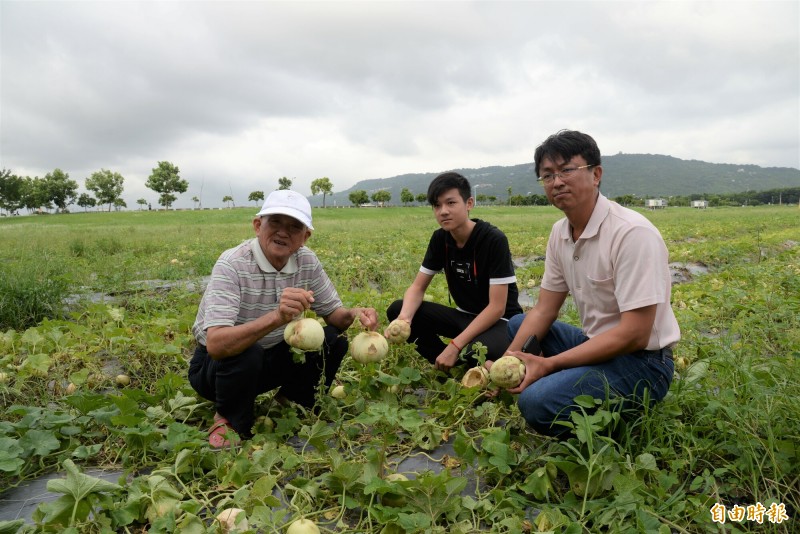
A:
{"x": 700, "y": 204}
{"x": 656, "y": 203}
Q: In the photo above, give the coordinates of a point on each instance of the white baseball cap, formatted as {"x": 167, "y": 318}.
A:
{"x": 288, "y": 202}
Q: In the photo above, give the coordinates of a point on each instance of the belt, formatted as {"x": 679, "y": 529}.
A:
{"x": 666, "y": 352}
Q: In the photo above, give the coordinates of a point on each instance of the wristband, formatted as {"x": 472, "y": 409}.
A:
{"x": 453, "y": 342}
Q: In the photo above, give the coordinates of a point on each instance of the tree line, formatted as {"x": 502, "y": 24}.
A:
{"x": 789, "y": 195}
{"x": 57, "y": 191}
{"x": 320, "y": 185}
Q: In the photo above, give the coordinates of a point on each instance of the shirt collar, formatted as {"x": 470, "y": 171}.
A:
{"x": 599, "y": 213}
{"x": 266, "y": 266}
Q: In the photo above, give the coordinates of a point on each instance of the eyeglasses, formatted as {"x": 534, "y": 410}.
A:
{"x": 564, "y": 174}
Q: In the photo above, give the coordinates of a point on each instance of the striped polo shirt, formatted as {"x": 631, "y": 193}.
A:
{"x": 244, "y": 286}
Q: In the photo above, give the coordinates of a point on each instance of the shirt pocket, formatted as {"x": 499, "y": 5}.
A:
{"x": 602, "y": 288}
{"x": 600, "y": 280}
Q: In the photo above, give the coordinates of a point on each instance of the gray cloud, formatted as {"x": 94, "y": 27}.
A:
{"x": 238, "y": 94}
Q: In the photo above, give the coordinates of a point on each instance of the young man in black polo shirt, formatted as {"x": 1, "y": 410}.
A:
{"x": 476, "y": 261}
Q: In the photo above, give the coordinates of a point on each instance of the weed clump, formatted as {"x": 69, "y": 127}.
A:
{"x": 29, "y": 296}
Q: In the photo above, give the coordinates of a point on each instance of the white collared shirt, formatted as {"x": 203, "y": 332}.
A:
{"x": 244, "y": 286}
{"x": 619, "y": 263}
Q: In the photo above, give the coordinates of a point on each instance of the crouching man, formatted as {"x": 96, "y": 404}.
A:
{"x": 614, "y": 263}
{"x": 257, "y": 288}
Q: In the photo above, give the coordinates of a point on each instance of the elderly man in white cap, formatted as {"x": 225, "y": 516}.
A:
{"x": 257, "y": 288}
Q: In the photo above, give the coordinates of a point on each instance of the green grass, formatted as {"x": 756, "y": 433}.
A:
{"x": 728, "y": 432}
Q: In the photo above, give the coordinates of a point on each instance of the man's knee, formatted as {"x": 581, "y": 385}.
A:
{"x": 251, "y": 360}
{"x": 541, "y": 412}
{"x": 545, "y": 421}
{"x": 536, "y": 416}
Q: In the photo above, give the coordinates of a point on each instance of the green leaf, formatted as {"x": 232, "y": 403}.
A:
{"x": 163, "y": 496}
{"x": 287, "y": 424}
{"x": 156, "y": 412}
{"x": 79, "y": 378}
{"x": 32, "y": 337}
{"x": 126, "y": 514}
{"x": 10, "y": 463}
{"x": 79, "y": 485}
{"x": 61, "y": 511}
{"x": 56, "y": 335}
{"x": 646, "y": 461}
{"x": 409, "y": 375}
{"x": 538, "y": 484}
{"x": 85, "y": 452}
{"x": 37, "y": 364}
{"x": 696, "y": 371}
{"x": 262, "y": 490}
{"x": 182, "y": 401}
{"x": 549, "y": 519}
{"x": 464, "y": 446}
{"x": 164, "y": 524}
{"x": 10, "y": 446}
{"x": 298, "y": 356}
{"x": 87, "y": 402}
{"x": 317, "y": 435}
{"x": 39, "y": 442}
{"x": 374, "y": 484}
{"x": 191, "y": 524}
{"x": 414, "y": 522}
{"x": 496, "y": 443}
{"x": 455, "y": 485}
{"x": 11, "y": 527}
{"x": 585, "y": 401}
{"x": 626, "y": 486}
{"x": 70, "y": 430}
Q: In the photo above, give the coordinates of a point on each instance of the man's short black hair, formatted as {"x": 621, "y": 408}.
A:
{"x": 445, "y": 182}
{"x": 567, "y": 144}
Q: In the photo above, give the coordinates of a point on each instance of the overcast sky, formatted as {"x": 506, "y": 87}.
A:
{"x": 239, "y": 94}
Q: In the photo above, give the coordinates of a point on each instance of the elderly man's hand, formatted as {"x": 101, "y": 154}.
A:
{"x": 367, "y": 316}
{"x": 294, "y": 301}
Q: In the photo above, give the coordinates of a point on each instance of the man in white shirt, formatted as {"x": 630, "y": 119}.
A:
{"x": 614, "y": 263}
{"x": 256, "y": 289}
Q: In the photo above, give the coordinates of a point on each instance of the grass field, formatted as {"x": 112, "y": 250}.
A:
{"x": 728, "y": 434}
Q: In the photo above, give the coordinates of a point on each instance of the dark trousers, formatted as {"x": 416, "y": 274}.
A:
{"x": 433, "y": 320}
{"x": 234, "y": 383}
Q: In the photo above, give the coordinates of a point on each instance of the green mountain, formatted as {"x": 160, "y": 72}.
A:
{"x": 643, "y": 175}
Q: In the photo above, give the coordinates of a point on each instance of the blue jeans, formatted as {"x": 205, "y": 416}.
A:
{"x": 550, "y": 398}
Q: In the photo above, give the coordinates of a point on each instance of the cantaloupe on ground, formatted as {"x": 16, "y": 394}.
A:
{"x": 303, "y": 526}
{"x": 227, "y": 520}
